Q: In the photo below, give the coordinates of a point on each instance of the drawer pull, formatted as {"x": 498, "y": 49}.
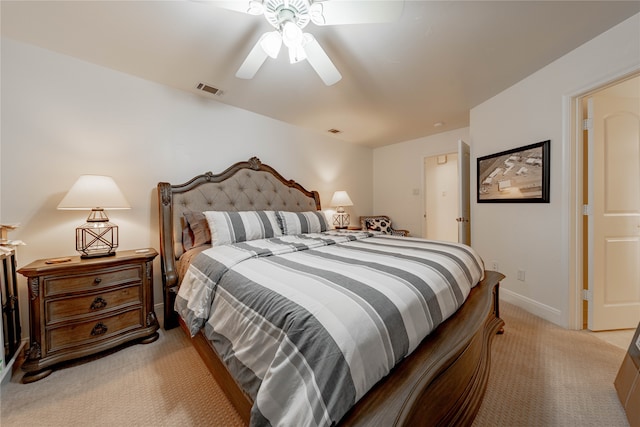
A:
{"x": 99, "y": 329}
{"x": 98, "y": 303}
{"x": 97, "y": 280}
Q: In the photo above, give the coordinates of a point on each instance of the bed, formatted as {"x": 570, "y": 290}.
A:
{"x": 346, "y": 374}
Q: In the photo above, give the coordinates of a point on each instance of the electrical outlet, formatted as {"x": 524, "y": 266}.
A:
{"x": 494, "y": 265}
{"x": 521, "y": 275}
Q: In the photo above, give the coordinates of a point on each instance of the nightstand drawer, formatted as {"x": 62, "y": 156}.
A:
{"x": 78, "y": 306}
{"x": 95, "y": 330}
{"x": 89, "y": 281}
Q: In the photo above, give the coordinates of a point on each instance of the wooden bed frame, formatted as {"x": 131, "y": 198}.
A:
{"x": 441, "y": 383}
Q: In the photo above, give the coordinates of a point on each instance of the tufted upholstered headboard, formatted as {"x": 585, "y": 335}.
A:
{"x": 244, "y": 186}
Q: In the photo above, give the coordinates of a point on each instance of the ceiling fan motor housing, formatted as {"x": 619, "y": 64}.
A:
{"x": 278, "y": 12}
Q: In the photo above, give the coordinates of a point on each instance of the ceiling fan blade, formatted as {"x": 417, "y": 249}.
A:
{"x": 340, "y": 12}
{"x": 244, "y": 6}
{"x": 320, "y": 61}
{"x": 253, "y": 62}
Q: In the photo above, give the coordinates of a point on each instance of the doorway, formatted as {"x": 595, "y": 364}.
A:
{"x": 610, "y": 145}
{"x": 441, "y": 197}
{"x": 447, "y": 202}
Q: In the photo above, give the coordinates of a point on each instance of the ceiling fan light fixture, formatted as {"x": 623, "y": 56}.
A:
{"x": 271, "y": 43}
{"x": 291, "y": 34}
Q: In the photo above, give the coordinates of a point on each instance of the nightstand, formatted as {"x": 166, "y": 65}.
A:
{"x": 79, "y": 307}
{"x": 627, "y": 382}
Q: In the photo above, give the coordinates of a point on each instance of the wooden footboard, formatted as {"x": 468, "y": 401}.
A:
{"x": 442, "y": 382}
{"x": 444, "y": 379}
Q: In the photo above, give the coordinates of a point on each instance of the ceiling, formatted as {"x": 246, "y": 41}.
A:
{"x": 433, "y": 64}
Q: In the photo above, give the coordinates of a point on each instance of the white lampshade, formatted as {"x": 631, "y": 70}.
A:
{"x": 341, "y": 198}
{"x": 97, "y": 237}
{"x": 94, "y": 191}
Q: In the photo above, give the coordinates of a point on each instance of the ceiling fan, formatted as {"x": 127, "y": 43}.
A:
{"x": 290, "y": 17}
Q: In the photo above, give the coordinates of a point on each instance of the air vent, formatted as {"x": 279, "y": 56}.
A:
{"x": 206, "y": 88}
{"x": 334, "y": 131}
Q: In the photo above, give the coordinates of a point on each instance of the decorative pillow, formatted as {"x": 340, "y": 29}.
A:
{"x": 302, "y": 222}
{"x": 196, "y": 233}
{"x": 233, "y": 227}
{"x": 378, "y": 224}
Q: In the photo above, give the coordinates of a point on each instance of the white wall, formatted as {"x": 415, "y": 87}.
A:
{"x": 398, "y": 170}
{"x": 62, "y": 117}
{"x": 536, "y": 237}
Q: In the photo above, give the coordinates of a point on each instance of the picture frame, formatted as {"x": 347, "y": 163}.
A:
{"x": 519, "y": 175}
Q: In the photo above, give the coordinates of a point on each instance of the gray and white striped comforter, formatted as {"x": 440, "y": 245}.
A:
{"x": 309, "y": 323}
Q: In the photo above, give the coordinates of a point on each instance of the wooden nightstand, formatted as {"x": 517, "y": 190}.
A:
{"x": 84, "y": 306}
{"x": 627, "y": 382}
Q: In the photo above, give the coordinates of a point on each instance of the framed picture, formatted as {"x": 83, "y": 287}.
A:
{"x": 520, "y": 175}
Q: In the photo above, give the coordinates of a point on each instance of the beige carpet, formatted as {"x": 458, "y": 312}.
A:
{"x": 164, "y": 383}
{"x": 542, "y": 375}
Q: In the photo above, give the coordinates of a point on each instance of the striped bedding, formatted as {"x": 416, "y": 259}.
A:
{"x": 308, "y": 323}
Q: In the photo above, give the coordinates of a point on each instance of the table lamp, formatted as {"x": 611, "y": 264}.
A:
{"x": 341, "y": 219}
{"x": 97, "y": 237}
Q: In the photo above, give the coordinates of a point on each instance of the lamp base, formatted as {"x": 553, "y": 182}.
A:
{"x": 97, "y": 239}
{"x": 341, "y": 220}
{"x": 87, "y": 256}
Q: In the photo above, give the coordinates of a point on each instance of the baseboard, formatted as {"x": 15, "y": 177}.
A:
{"x": 551, "y": 314}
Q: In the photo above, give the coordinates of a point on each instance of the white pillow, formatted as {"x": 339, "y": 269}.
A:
{"x": 302, "y": 222}
{"x": 232, "y": 227}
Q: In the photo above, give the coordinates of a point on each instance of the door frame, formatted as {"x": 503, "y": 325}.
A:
{"x": 573, "y": 179}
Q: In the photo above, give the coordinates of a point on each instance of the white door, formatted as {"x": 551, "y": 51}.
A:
{"x": 614, "y": 220}
{"x": 441, "y": 197}
{"x": 464, "y": 193}
{"x": 448, "y": 196}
